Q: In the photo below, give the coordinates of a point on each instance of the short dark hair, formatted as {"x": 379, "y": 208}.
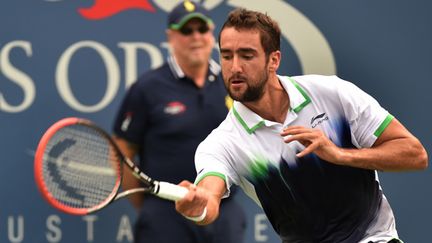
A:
{"x": 243, "y": 19}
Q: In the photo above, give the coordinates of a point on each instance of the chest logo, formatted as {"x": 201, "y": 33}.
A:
{"x": 316, "y": 120}
{"x": 174, "y": 108}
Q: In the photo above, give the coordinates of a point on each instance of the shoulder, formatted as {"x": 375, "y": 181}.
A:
{"x": 319, "y": 80}
{"x": 223, "y": 135}
{"x": 322, "y": 84}
{"x": 154, "y": 77}
{"x": 149, "y": 84}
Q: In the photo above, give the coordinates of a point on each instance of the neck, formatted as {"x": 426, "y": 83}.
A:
{"x": 196, "y": 72}
{"x": 274, "y": 103}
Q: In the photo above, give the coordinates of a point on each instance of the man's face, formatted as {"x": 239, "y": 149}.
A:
{"x": 193, "y": 43}
{"x": 244, "y": 64}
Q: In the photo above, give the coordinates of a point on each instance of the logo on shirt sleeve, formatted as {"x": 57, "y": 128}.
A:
{"x": 126, "y": 122}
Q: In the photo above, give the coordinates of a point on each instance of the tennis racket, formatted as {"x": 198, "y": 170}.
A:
{"x": 78, "y": 169}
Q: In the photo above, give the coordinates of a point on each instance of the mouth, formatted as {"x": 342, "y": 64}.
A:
{"x": 235, "y": 79}
{"x": 237, "y": 82}
{"x": 196, "y": 47}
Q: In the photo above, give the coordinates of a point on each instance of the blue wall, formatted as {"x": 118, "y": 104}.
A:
{"x": 58, "y": 61}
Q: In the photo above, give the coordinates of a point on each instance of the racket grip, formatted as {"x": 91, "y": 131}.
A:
{"x": 170, "y": 191}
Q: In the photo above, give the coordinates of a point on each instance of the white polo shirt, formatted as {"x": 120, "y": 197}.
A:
{"x": 305, "y": 199}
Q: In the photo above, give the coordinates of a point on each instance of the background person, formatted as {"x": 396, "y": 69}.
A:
{"x": 163, "y": 118}
{"x": 305, "y": 148}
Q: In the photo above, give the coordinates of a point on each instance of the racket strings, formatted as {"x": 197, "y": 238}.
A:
{"x": 80, "y": 167}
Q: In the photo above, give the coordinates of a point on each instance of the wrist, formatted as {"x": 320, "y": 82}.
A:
{"x": 198, "y": 218}
{"x": 344, "y": 157}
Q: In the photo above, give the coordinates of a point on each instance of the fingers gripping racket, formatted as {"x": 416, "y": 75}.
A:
{"x": 78, "y": 169}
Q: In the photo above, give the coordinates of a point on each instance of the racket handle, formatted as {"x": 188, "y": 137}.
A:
{"x": 169, "y": 191}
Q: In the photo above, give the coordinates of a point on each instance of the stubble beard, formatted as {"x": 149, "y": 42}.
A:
{"x": 252, "y": 93}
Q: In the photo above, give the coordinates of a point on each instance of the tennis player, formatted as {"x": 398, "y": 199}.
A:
{"x": 163, "y": 118}
{"x": 305, "y": 148}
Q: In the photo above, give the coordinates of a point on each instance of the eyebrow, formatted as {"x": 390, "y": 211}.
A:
{"x": 240, "y": 50}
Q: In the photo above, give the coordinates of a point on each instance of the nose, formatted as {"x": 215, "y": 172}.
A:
{"x": 236, "y": 65}
{"x": 196, "y": 35}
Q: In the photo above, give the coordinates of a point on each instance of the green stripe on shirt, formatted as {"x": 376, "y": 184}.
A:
{"x": 383, "y": 125}
{"x": 220, "y": 175}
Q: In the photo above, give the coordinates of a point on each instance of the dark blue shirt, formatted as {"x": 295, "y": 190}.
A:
{"x": 167, "y": 116}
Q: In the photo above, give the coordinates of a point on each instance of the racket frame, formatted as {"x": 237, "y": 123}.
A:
{"x": 38, "y": 167}
{"x": 161, "y": 189}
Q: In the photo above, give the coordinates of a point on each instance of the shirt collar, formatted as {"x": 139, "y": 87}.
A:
{"x": 298, "y": 97}
{"x": 214, "y": 67}
{"x": 252, "y": 121}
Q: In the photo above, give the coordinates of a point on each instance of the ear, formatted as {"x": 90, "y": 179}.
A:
{"x": 274, "y": 61}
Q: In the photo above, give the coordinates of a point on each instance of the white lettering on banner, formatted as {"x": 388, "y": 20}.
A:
{"x": 125, "y": 230}
{"x": 17, "y": 76}
{"x": 131, "y": 64}
{"x": 113, "y": 76}
{"x": 16, "y": 235}
{"x": 54, "y": 233}
{"x": 310, "y": 45}
{"x": 260, "y": 226}
{"x": 62, "y": 72}
{"x": 90, "y": 219}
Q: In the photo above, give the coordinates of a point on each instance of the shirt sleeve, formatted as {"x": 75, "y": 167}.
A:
{"x": 211, "y": 159}
{"x": 366, "y": 117}
{"x": 131, "y": 120}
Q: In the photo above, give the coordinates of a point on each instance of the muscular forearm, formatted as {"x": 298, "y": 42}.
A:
{"x": 394, "y": 155}
{"x": 395, "y": 149}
